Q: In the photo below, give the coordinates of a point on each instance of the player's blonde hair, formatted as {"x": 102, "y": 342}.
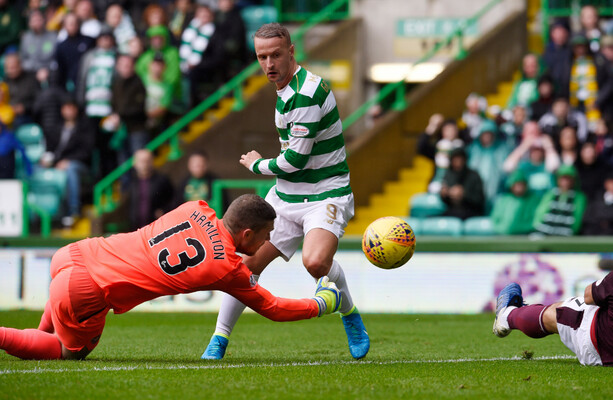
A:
{"x": 273, "y": 30}
{"x": 248, "y": 211}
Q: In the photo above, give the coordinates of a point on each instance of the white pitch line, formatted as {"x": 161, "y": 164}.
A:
{"x": 38, "y": 370}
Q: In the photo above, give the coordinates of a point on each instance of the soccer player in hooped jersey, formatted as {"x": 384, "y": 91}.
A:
{"x": 312, "y": 195}
{"x": 585, "y": 324}
{"x": 185, "y": 250}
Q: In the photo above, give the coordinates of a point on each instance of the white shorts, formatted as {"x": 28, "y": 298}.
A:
{"x": 295, "y": 220}
{"x": 574, "y": 320}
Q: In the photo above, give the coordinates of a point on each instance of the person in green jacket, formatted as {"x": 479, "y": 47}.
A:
{"x": 560, "y": 211}
{"x": 159, "y": 42}
{"x": 514, "y": 211}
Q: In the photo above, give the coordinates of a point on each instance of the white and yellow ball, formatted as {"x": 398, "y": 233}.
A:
{"x": 388, "y": 242}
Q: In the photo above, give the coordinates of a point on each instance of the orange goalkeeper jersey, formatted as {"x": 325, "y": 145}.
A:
{"x": 186, "y": 250}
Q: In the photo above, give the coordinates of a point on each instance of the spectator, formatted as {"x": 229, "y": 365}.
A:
{"x": 159, "y": 43}
{"x": 486, "y": 155}
{"x": 525, "y": 90}
{"x": 136, "y": 48}
{"x": 603, "y": 141}
{"x": 599, "y": 221}
{"x": 462, "y": 189}
{"x": 473, "y": 115}
{"x": 95, "y": 76}
{"x": 426, "y": 144}
{"x": 159, "y": 95}
{"x": 591, "y": 170}
{"x": 154, "y": 15}
{"x": 542, "y": 105}
{"x": 70, "y": 149}
{"x": 47, "y": 108}
{"x": 568, "y": 146}
{"x": 56, "y": 19}
{"x": 68, "y": 53}
{"x": 513, "y": 212}
{"x": 8, "y": 142}
{"x": 90, "y": 25}
{"x": 198, "y": 185}
{"x": 232, "y": 33}
{"x": 11, "y": 26}
{"x": 583, "y": 84}
{"x": 590, "y": 27}
{"x": 121, "y": 23}
{"x": 560, "y": 211}
{"x": 128, "y": 103}
{"x": 512, "y": 129}
{"x": 151, "y": 193}
{"x": 450, "y": 140}
{"x": 604, "y": 65}
{"x": 195, "y": 38}
{"x": 558, "y": 58}
{"x": 37, "y": 44}
{"x": 180, "y": 16}
{"x": 22, "y": 88}
{"x": 536, "y": 157}
{"x": 562, "y": 115}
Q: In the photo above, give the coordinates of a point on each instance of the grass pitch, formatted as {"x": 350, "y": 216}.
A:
{"x": 145, "y": 355}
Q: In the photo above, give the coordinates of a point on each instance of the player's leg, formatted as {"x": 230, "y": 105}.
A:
{"x": 323, "y": 226}
{"x": 511, "y": 313}
{"x": 231, "y": 309}
{"x": 46, "y": 324}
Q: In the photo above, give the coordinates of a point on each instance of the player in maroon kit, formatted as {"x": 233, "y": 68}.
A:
{"x": 585, "y": 324}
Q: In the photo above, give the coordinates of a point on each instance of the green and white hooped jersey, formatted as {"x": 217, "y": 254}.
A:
{"x": 312, "y": 165}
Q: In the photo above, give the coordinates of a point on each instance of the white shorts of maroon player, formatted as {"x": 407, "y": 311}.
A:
{"x": 295, "y": 220}
{"x": 575, "y": 321}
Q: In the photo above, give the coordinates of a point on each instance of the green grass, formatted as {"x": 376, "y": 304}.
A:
{"x": 144, "y": 356}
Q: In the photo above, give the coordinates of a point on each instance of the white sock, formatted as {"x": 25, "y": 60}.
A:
{"x": 337, "y": 276}
{"x": 229, "y": 312}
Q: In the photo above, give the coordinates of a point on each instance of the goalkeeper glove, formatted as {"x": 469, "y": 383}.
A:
{"x": 327, "y": 296}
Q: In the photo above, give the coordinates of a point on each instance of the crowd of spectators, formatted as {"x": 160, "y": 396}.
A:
{"x": 536, "y": 166}
{"x": 101, "y": 78}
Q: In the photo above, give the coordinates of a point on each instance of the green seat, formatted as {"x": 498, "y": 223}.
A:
{"x": 31, "y": 137}
{"x": 479, "y": 226}
{"x": 426, "y": 205}
{"x": 47, "y": 187}
{"x": 256, "y": 16}
{"x": 441, "y": 226}
{"x": 415, "y": 224}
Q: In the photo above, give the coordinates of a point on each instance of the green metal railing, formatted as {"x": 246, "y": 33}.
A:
{"x": 566, "y": 8}
{"x": 303, "y": 10}
{"x": 103, "y": 190}
{"x": 260, "y": 186}
{"x": 399, "y": 88}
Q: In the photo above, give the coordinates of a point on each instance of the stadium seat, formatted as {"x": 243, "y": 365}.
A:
{"x": 415, "y": 224}
{"x": 441, "y": 226}
{"x": 47, "y": 187}
{"x": 479, "y": 226}
{"x": 31, "y": 137}
{"x": 426, "y": 205}
{"x": 256, "y": 16}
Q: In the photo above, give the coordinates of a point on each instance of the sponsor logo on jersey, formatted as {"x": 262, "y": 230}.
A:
{"x": 299, "y": 131}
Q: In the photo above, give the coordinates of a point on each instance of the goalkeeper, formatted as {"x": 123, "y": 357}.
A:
{"x": 186, "y": 250}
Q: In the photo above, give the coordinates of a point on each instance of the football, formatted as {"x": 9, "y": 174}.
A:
{"x": 388, "y": 242}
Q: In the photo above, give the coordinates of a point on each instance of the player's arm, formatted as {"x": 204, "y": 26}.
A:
{"x": 600, "y": 292}
{"x": 293, "y": 159}
{"x": 326, "y": 300}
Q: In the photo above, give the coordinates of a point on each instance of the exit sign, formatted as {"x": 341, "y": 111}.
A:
{"x": 432, "y": 27}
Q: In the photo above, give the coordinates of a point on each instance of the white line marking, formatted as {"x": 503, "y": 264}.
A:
{"x": 39, "y": 370}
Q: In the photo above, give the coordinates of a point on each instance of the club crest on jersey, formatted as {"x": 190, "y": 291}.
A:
{"x": 252, "y": 281}
{"x": 299, "y": 130}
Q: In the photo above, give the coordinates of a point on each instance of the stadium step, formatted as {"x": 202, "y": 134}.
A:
{"x": 395, "y": 197}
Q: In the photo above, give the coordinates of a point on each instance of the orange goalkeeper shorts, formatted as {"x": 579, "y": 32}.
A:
{"x": 78, "y": 307}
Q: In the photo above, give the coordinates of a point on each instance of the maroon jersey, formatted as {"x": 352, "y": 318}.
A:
{"x": 602, "y": 292}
